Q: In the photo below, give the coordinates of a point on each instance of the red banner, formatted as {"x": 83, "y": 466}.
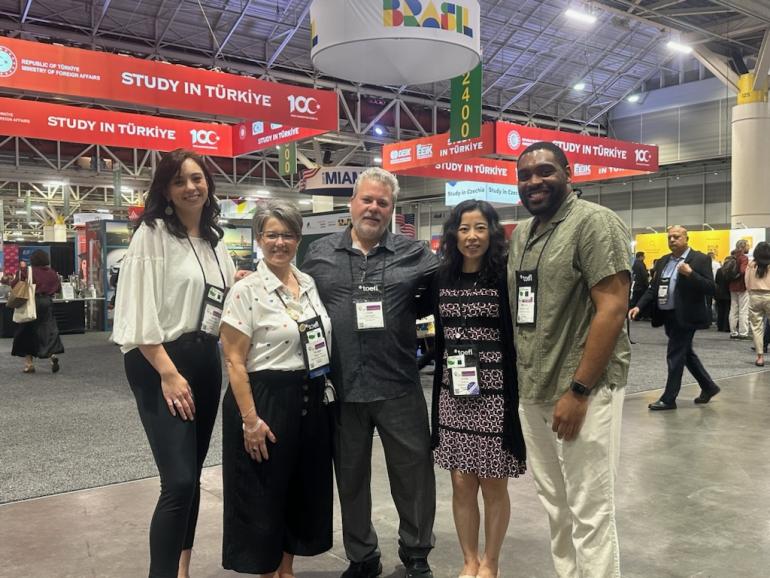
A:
{"x": 431, "y": 150}
{"x": 482, "y": 170}
{"x": 257, "y": 135}
{"x": 93, "y": 126}
{"x": 512, "y": 139}
{"x": 583, "y": 173}
{"x": 34, "y": 66}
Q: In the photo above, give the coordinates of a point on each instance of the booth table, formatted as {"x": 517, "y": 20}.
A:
{"x": 70, "y": 315}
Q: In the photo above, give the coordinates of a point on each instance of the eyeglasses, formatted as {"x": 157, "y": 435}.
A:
{"x": 273, "y": 237}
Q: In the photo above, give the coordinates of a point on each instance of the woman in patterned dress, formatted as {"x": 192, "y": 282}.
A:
{"x": 476, "y": 430}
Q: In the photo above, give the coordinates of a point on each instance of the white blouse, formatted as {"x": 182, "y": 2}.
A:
{"x": 254, "y": 308}
{"x": 160, "y": 286}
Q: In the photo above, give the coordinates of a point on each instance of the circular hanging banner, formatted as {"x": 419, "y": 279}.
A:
{"x": 395, "y": 42}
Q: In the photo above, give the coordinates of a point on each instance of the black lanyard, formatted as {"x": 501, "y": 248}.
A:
{"x": 363, "y": 270}
{"x": 203, "y": 271}
{"x": 463, "y": 301}
{"x": 524, "y": 252}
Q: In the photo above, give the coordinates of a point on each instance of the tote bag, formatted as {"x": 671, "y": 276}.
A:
{"x": 18, "y": 295}
{"x": 28, "y": 311}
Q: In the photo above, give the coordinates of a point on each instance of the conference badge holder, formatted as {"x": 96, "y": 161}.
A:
{"x": 314, "y": 349}
{"x": 463, "y": 365}
{"x": 663, "y": 286}
{"x": 526, "y": 297}
{"x": 368, "y": 302}
{"x": 211, "y": 309}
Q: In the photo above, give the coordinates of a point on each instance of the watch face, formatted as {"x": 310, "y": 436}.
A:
{"x": 7, "y": 62}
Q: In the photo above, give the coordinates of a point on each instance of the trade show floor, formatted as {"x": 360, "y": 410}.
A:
{"x": 692, "y": 500}
{"x": 79, "y": 428}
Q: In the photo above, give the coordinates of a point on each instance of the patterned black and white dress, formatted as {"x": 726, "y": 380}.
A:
{"x": 481, "y": 435}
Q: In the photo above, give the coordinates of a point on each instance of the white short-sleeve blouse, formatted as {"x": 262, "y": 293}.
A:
{"x": 160, "y": 286}
{"x": 254, "y": 308}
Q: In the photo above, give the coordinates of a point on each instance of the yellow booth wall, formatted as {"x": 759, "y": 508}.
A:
{"x": 655, "y": 245}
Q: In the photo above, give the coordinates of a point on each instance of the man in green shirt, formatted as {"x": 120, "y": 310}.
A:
{"x": 569, "y": 279}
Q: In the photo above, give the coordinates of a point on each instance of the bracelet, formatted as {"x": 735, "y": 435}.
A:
{"x": 255, "y": 428}
{"x": 252, "y": 410}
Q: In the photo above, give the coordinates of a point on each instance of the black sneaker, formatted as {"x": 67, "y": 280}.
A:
{"x": 367, "y": 569}
{"x": 415, "y": 567}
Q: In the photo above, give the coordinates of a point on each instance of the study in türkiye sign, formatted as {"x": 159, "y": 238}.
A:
{"x": 44, "y": 68}
{"x": 465, "y": 111}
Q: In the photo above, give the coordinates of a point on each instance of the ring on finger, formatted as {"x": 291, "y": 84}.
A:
{"x": 177, "y": 402}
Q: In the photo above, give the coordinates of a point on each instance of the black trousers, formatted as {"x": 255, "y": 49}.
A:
{"x": 679, "y": 355}
{"x": 723, "y": 315}
{"x": 402, "y": 424}
{"x": 179, "y": 447}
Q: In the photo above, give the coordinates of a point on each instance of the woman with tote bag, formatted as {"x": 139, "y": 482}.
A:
{"x": 38, "y": 334}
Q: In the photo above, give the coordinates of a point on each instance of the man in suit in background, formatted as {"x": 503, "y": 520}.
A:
{"x": 680, "y": 283}
{"x": 641, "y": 280}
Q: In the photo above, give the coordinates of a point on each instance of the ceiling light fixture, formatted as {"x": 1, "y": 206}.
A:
{"x": 678, "y": 47}
{"x": 377, "y": 160}
{"x": 580, "y": 16}
{"x": 580, "y": 86}
{"x": 378, "y": 130}
{"x": 306, "y": 202}
{"x": 634, "y": 98}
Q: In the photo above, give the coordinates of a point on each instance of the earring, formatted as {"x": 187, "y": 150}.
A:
{"x": 169, "y": 210}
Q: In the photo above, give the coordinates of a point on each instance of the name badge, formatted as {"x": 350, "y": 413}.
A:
{"x": 368, "y": 301}
{"x": 462, "y": 363}
{"x": 315, "y": 351}
{"x": 663, "y": 287}
{"x": 526, "y": 297}
{"x": 210, "y": 315}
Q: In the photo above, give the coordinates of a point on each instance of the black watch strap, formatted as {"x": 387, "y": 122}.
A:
{"x": 580, "y": 389}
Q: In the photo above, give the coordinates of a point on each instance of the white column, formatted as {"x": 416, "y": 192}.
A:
{"x": 750, "y": 198}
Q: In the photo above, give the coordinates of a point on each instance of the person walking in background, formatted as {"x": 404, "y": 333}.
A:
{"x": 640, "y": 278}
{"x": 711, "y": 299}
{"x": 375, "y": 286}
{"x": 172, "y": 286}
{"x": 476, "y": 430}
{"x": 678, "y": 290}
{"x": 39, "y": 338}
{"x": 758, "y": 286}
{"x": 276, "y": 434}
{"x": 739, "y": 297}
{"x": 569, "y": 277}
{"x": 722, "y": 299}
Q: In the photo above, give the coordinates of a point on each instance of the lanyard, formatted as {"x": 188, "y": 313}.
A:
{"x": 524, "y": 252}
{"x": 463, "y": 301}
{"x": 286, "y": 306}
{"x": 363, "y": 270}
{"x": 203, "y": 271}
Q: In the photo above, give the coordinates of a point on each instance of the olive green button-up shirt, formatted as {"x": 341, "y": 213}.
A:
{"x": 581, "y": 245}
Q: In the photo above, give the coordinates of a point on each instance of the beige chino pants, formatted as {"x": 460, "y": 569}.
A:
{"x": 576, "y": 484}
{"x": 759, "y": 308}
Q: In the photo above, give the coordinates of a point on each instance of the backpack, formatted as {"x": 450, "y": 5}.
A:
{"x": 731, "y": 269}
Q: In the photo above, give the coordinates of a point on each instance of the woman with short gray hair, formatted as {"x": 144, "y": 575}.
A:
{"x": 276, "y": 442}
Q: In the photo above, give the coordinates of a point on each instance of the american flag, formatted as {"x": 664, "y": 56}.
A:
{"x": 405, "y": 224}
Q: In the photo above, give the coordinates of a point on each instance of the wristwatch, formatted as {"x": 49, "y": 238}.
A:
{"x": 580, "y": 389}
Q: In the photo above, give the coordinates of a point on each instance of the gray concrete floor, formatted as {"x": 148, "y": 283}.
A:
{"x": 692, "y": 497}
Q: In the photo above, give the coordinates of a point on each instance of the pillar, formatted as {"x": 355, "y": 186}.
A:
{"x": 750, "y": 198}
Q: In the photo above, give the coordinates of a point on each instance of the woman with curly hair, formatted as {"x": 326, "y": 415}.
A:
{"x": 476, "y": 430}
